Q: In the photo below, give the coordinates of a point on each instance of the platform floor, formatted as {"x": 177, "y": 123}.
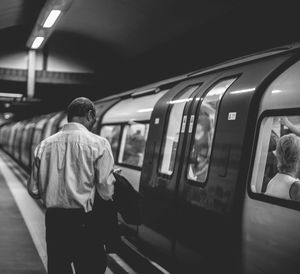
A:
{"x": 22, "y": 229}
{"x": 18, "y": 253}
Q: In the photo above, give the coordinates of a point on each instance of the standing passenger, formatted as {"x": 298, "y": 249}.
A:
{"x": 69, "y": 167}
{"x": 288, "y": 156}
{"x": 286, "y": 122}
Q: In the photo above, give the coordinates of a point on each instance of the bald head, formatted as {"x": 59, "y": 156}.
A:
{"x": 82, "y": 110}
{"x": 80, "y": 107}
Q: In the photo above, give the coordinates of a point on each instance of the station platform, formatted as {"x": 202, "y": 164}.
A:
{"x": 22, "y": 230}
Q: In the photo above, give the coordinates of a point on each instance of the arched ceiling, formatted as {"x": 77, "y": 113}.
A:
{"x": 135, "y": 42}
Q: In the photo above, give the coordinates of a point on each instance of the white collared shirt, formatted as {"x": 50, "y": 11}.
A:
{"x": 69, "y": 165}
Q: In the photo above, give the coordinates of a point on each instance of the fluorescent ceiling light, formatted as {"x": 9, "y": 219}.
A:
{"x": 13, "y": 95}
{"x": 37, "y": 42}
{"x": 52, "y": 17}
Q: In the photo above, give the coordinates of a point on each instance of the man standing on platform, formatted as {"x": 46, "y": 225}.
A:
{"x": 68, "y": 168}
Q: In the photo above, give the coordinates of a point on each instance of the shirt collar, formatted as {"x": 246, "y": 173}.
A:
{"x": 73, "y": 126}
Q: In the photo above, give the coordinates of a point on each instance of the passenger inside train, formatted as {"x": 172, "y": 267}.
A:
{"x": 280, "y": 157}
{"x": 135, "y": 145}
{"x": 112, "y": 134}
{"x": 288, "y": 156}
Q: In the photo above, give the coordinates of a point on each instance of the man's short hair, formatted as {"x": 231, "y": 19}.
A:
{"x": 80, "y": 107}
{"x": 288, "y": 152}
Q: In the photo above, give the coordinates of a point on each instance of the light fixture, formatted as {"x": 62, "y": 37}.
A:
{"x": 52, "y": 17}
{"x": 46, "y": 22}
{"x": 37, "y": 42}
{"x": 12, "y": 95}
{"x": 8, "y": 115}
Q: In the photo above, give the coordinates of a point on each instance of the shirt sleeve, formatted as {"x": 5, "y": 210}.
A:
{"x": 104, "y": 176}
{"x": 32, "y": 184}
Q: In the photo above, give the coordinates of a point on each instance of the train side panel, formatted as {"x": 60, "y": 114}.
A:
{"x": 271, "y": 224}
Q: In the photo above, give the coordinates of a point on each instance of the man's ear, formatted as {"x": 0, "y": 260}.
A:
{"x": 90, "y": 115}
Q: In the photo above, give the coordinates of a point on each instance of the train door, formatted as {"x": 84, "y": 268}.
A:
{"x": 271, "y": 235}
{"x": 126, "y": 125}
{"x": 168, "y": 127}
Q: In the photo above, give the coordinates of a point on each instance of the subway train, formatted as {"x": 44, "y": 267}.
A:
{"x": 200, "y": 149}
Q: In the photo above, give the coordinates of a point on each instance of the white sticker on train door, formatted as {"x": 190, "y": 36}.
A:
{"x": 191, "y": 123}
{"x": 183, "y": 124}
{"x": 156, "y": 121}
{"x": 231, "y": 116}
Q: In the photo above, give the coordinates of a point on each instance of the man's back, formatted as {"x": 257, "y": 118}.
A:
{"x": 69, "y": 167}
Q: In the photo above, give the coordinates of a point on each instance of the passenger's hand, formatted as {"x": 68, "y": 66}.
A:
{"x": 284, "y": 121}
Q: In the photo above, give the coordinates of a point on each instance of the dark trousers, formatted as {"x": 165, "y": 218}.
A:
{"x": 72, "y": 238}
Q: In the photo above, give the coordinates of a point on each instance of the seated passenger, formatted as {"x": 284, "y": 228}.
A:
{"x": 287, "y": 154}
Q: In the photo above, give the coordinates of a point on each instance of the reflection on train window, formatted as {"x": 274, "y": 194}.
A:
{"x": 173, "y": 131}
{"x": 277, "y": 161}
{"x": 133, "y": 144}
{"x": 204, "y": 132}
{"x": 112, "y": 134}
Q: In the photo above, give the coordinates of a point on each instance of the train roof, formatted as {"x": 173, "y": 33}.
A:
{"x": 164, "y": 84}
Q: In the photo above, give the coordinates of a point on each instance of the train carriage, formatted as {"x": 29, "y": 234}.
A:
{"x": 197, "y": 147}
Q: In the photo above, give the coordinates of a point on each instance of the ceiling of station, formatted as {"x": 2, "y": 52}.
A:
{"x": 132, "y": 27}
{"x": 129, "y": 27}
{"x": 135, "y": 42}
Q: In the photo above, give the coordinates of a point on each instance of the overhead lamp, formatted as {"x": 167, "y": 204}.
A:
{"x": 52, "y": 17}
{"x": 37, "y": 42}
{"x": 8, "y": 115}
{"x": 12, "y": 95}
{"x": 48, "y": 18}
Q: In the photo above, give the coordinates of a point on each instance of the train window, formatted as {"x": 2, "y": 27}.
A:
{"x": 172, "y": 135}
{"x": 112, "y": 134}
{"x": 276, "y": 170}
{"x": 133, "y": 144}
{"x": 204, "y": 132}
{"x": 63, "y": 122}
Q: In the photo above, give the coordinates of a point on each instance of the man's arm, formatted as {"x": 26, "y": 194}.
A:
{"x": 105, "y": 179}
{"x": 32, "y": 184}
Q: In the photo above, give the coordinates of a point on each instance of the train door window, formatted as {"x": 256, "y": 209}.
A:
{"x": 204, "y": 131}
{"x": 112, "y": 134}
{"x": 276, "y": 170}
{"x": 133, "y": 142}
{"x": 170, "y": 142}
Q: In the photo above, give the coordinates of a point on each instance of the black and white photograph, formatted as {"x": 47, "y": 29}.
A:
{"x": 149, "y": 137}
